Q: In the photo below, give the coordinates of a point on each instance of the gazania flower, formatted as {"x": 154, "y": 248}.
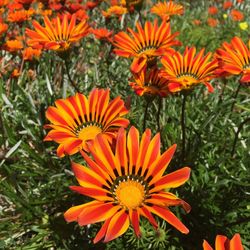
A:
{"x": 187, "y": 70}
{"x": 58, "y": 36}
{"x": 150, "y": 83}
{"x": 212, "y": 22}
{"x": 212, "y": 10}
{"x": 167, "y": 9}
{"x": 236, "y": 15}
{"x": 127, "y": 183}
{"x": 20, "y": 16}
{"x": 102, "y": 34}
{"x": 78, "y": 119}
{"x": 29, "y": 54}
{"x": 13, "y": 45}
{"x": 234, "y": 59}
{"x": 223, "y": 243}
{"x": 146, "y": 44}
{"x": 227, "y": 5}
{"x": 3, "y": 28}
{"x": 114, "y": 11}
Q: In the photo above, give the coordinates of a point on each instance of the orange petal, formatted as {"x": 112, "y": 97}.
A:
{"x": 117, "y": 226}
{"x": 206, "y": 246}
{"x": 168, "y": 216}
{"x": 235, "y": 243}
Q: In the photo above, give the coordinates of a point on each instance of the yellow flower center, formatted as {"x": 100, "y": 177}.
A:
{"x": 89, "y": 132}
{"x": 130, "y": 194}
{"x": 187, "y": 81}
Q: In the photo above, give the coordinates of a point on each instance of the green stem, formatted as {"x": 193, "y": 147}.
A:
{"x": 145, "y": 114}
{"x": 69, "y": 77}
{"x": 235, "y": 96}
{"x": 158, "y": 113}
{"x": 183, "y": 127}
{"x": 237, "y": 135}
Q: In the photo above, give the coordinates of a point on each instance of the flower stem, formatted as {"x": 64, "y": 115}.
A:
{"x": 235, "y": 96}
{"x": 183, "y": 127}
{"x": 145, "y": 114}
{"x": 69, "y": 77}
{"x": 158, "y": 113}
{"x": 237, "y": 134}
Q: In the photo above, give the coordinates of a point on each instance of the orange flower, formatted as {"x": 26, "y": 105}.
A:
{"x": 132, "y": 4}
{"x": 212, "y": 22}
{"x": 114, "y": 11}
{"x": 212, "y": 10}
{"x": 91, "y": 5}
{"x": 76, "y": 120}
{"x": 237, "y": 15}
{"x": 197, "y": 22}
{"x": 145, "y": 45}
{"x": 167, "y": 9}
{"x": 29, "y": 54}
{"x": 3, "y": 28}
{"x": 150, "y": 83}
{"x": 102, "y": 34}
{"x": 127, "y": 183}
{"x": 223, "y": 243}
{"x": 234, "y": 59}
{"x": 227, "y": 5}
{"x": 20, "y": 16}
{"x": 16, "y": 73}
{"x": 240, "y": 1}
{"x": 13, "y": 45}
{"x": 58, "y": 36}
{"x": 187, "y": 70}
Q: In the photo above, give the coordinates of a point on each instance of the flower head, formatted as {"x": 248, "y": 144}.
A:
{"x": 212, "y": 10}
{"x": 102, "y": 34}
{"x": 167, "y": 9}
{"x": 187, "y": 70}
{"x": 150, "y": 83}
{"x": 223, "y": 243}
{"x": 236, "y": 15}
{"x": 212, "y": 22}
{"x": 78, "y": 119}
{"x": 234, "y": 59}
{"x": 29, "y": 54}
{"x": 243, "y": 25}
{"x": 146, "y": 44}
{"x": 227, "y": 5}
{"x": 114, "y": 11}
{"x": 20, "y": 16}
{"x": 58, "y": 36}
{"x": 13, "y": 45}
{"x": 3, "y": 28}
{"x": 127, "y": 183}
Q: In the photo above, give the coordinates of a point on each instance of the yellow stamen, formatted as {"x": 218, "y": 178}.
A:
{"x": 187, "y": 81}
{"x": 89, "y": 132}
{"x": 130, "y": 194}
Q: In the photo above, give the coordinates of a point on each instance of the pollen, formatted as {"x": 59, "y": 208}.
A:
{"x": 130, "y": 194}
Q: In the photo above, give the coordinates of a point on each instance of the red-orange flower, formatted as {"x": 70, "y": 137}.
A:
{"x": 13, "y": 45}
{"x": 150, "y": 83}
{"x": 78, "y": 119}
{"x": 212, "y": 10}
{"x": 58, "y": 36}
{"x": 102, "y": 34}
{"x": 146, "y": 44}
{"x": 29, "y": 54}
{"x": 114, "y": 11}
{"x": 237, "y": 15}
{"x": 227, "y": 5}
{"x": 234, "y": 59}
{"x": 19, "y": 16}
{"x": 212, "y": 22}
{"x": 187, "y": 70}
{"x": 127, "y": 183}
{"x": 223, "y": 243}
{"x": 3, "y": 28}
{"x": 167, "y": 9}
{"x": 197, "y": 22}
